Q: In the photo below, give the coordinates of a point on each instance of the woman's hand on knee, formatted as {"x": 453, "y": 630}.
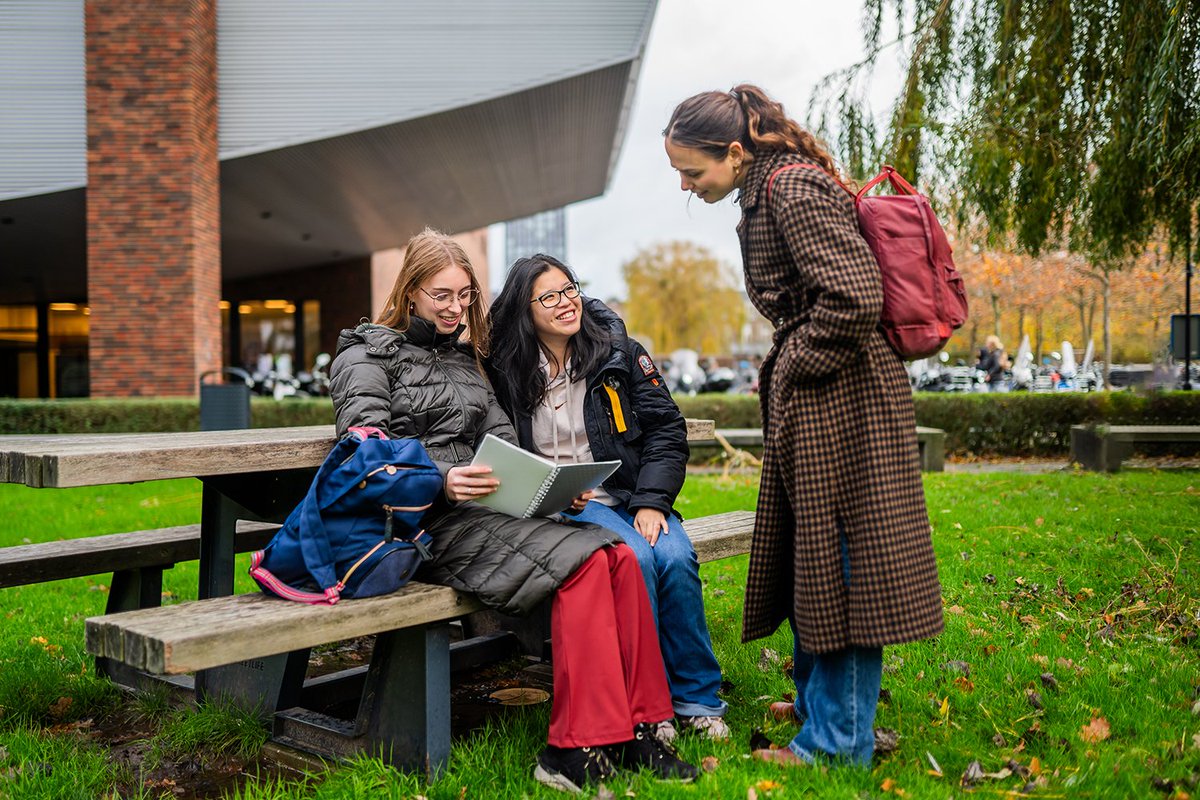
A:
{"x": 650, "y": 523}
{"x": 470, "y": 483}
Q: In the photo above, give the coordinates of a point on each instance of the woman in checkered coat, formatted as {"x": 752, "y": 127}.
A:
{"x": 841, "y": 544}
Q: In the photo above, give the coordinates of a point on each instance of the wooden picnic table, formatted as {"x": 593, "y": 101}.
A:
{"x": 252, "y": 474}
{"x": 95, "y": 459}
{"x": 259, "y": 475}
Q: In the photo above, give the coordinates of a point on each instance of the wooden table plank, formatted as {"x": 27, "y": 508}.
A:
{"x": 720, "y": 535}
{"x": 699, "y": 430}
{"x": 67, "y": 460}
{"x": 96, "y": 459}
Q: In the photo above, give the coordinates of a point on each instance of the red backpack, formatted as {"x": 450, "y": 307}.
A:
{"x": 924, "y": 299}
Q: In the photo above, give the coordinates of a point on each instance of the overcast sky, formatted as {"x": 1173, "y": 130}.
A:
{"x": 694, "y": 46}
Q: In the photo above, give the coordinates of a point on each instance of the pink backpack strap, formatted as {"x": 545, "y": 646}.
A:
{"x": 775, "y": 174}
{"x": 277, "y": 587}
{"x": 363, "y": 432}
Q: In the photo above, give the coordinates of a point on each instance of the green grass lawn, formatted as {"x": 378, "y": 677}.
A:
{"x": 1070, "y": 665}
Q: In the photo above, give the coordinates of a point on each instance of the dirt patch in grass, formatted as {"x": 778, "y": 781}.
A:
{"x": 471, "y": 701}
{"x": 139, "y": 766}
{"x": 128, "y": 740}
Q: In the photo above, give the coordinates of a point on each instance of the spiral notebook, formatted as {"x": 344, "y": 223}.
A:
{"x": 532, "y": 486}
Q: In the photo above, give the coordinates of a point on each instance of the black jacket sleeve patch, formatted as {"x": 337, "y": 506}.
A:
{"x": 646, "y": 364}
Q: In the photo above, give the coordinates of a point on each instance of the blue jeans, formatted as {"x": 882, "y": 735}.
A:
{"x": 672, "y": 575}
{"x": 836, "y": 697}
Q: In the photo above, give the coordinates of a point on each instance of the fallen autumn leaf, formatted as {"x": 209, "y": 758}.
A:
{"x": 1095, "y": 731}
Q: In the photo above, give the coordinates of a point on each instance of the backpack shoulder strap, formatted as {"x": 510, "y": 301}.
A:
{"x": 889, "y": 174}
{"x": 775, "y": 174}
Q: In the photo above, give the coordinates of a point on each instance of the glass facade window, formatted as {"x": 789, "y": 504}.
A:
{"x": 18, "y": 351}
{"x": 278, "y": 336}
{"x": 312, "y": 332}
{"x": 542, "y": 233}
{"x": 268, "y": 336}
{"x": 68, "y": 326}
{"x": 64, "y": 351}
{"x": 272, "y": 336}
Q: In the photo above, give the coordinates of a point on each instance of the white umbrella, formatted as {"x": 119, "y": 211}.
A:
{"x": 1022, "y": 368}
{"x": 1068, "y": 367}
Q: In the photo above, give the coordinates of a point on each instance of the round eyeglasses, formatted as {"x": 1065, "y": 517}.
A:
{"x": 443, "y": 300}
{"x": 551, "y": 298}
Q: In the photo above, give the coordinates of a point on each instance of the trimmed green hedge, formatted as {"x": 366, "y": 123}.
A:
{"x": 1020, "y": 424}
{"x": 1014, "y": 424}
{"x": 149, "y": 415}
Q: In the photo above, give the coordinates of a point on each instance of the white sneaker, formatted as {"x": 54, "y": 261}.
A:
{"x": 709, "y": 727}
{"x": 665, "y": 731}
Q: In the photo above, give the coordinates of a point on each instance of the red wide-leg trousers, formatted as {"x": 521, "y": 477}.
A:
{"x": 608, "y": 668}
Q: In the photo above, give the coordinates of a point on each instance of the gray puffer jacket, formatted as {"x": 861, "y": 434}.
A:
{"x": 427, "y": 385}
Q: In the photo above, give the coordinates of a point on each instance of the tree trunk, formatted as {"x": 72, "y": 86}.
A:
{"x": 1020, "y": 324}
{"x": 1038, "y": 333}
{"x": 996, "y": 313}
{"x": 1091, "y": 319}
{"x": 1079, "y": 306}
{"x": 1106, "y": 283}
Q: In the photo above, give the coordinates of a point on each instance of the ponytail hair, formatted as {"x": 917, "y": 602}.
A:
{"x": 712, "y": 121}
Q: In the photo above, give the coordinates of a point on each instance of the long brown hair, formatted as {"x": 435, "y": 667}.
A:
{"x": 427, "y": 254}
{"x": 712, "y": 121}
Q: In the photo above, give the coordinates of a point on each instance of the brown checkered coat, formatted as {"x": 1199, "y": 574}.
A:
{"x": 840, "y": 439}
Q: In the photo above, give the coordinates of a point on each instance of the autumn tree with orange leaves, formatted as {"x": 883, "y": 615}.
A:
{"x": 1058, "y": 297}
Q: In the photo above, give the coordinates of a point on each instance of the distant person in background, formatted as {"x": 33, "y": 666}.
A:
{"x": 579, "y": 389}
{"x": 993, "y": 360}
{"x": 841, "y": 545}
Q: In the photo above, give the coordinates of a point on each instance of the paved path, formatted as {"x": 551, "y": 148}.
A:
{"x": 1029, "y": 465}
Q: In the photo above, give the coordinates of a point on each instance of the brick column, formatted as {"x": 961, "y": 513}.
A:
{"x": 153, "y": 201}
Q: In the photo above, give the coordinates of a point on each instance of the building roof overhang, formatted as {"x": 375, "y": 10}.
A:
{"x": 289, "y": 205}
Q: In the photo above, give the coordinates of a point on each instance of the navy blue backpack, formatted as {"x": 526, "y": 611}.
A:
{"x": 357, "y": 531}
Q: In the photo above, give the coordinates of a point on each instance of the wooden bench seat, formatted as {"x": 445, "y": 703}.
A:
{"x": 200, "y": 634}
{"x": 1104, "y": 447}
{"x": 92, "y": 555}
{"x": 931, "y": 444}
{"x": 269, "y": 638}
{"x": 136, "y": 560}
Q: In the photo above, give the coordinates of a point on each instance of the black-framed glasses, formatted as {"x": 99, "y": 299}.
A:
{"x": 443, "y": 300}
{"x": 551, "y": 298}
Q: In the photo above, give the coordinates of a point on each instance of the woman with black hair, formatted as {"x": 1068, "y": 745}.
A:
{"x": 579, "y": 389}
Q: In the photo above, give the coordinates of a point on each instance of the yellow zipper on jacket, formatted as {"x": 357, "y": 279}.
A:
{"x": 618, "y": 414}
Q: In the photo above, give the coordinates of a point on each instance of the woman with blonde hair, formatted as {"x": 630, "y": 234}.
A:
{"x": 993, "y": 360}
{"x": 413, "y": 374}
{"x": 841, "y": 546}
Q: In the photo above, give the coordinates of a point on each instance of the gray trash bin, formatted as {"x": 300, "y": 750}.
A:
{"x": 225, "y": 406}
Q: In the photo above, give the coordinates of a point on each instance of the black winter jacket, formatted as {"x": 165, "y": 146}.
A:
{"x": 629, "y": 416}
{"x": 426, "y": 385}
